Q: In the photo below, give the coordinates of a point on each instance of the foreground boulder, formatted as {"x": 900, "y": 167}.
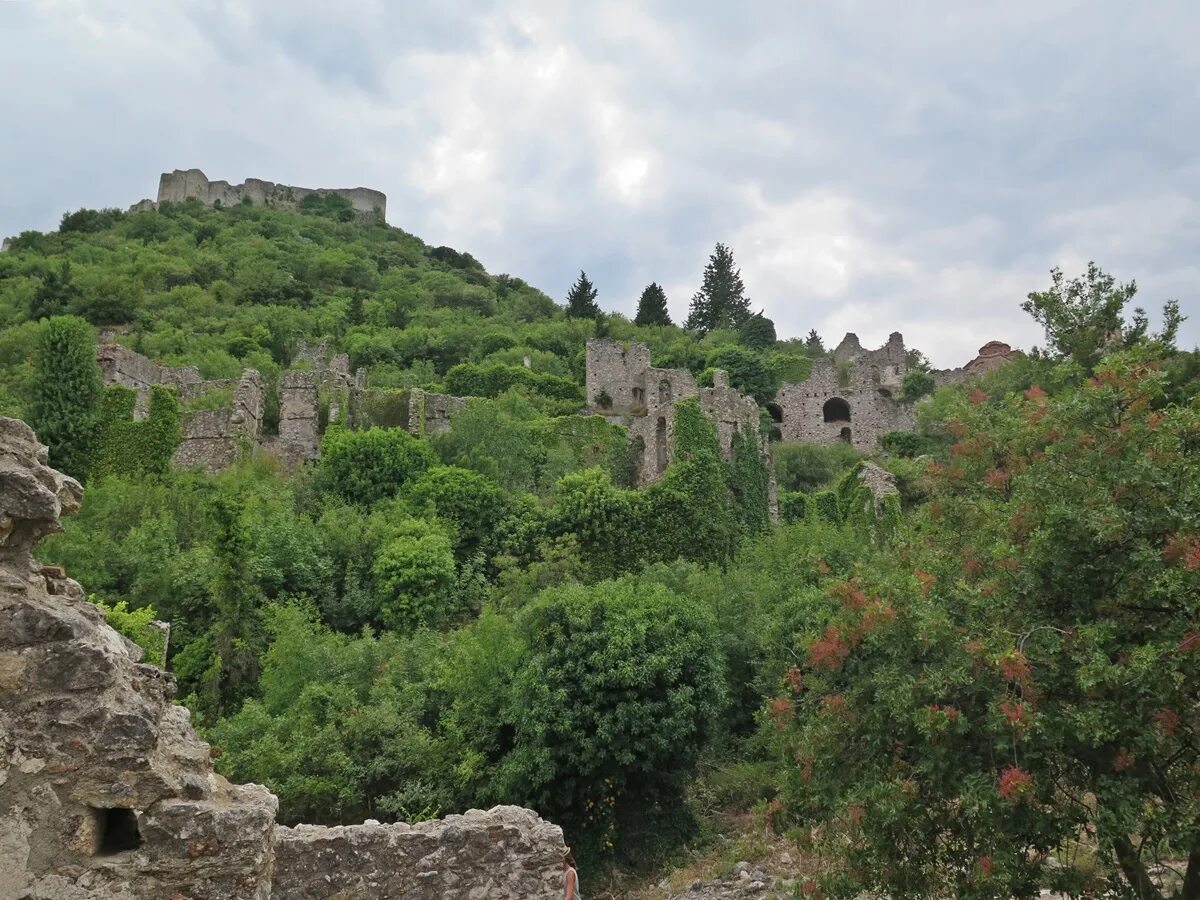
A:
{"x": 106, "y": 792}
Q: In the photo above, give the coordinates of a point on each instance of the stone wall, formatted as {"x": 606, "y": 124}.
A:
{"x": 851, "y": 397}
{"x": 299, "y": 433}
{"x": 431, "y": 413}
{"x": 623, "y": 387}
{"x": 507, "y": 852}
{"x": 106, "y": 793}
{"x": 854, "y": 395}
{"x": 182, "y": 184}
{"x": 120, "y": 365}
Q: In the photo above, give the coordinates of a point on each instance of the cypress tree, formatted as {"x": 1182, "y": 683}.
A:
{"x": 652, "y": 307}
{"x": 721, "y": 301}
{"x": 581, "y": 299}
{"x": 813, "y": 343}
{"x": 66, "y": 392}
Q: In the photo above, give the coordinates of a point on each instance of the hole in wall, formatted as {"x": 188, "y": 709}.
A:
{"x": 845, "y": 435}
{"x": 836, "y": 410}
{"x": 116, "y": 830}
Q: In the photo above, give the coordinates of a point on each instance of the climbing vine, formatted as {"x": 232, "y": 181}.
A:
{"x": 748, "y": 480}
{"x": 127, "y": 447}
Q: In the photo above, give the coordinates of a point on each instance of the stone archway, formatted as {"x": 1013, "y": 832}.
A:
{"x": 836, "y": 410}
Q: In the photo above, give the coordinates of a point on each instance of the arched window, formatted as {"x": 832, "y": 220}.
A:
{"x": 836, "y": 410}
{"x": 660, "y": 445}
{"x": 845, "y": 435}
{"x": 776, "y": 413}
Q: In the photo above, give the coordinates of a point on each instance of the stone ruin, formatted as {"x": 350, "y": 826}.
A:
{"x": 213, "y": 438}
{"x": 854, "y": 396}
{"x": 184, "y": 184}
{"x": 106, "y": 792}
{"x": 623, "y": 387}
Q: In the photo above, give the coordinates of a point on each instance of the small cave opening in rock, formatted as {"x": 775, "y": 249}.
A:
{"x": 836, "y": 410}
{"x": 116, "y": 831}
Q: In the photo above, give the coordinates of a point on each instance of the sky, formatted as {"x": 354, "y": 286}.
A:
{"x": 874, "y": 166}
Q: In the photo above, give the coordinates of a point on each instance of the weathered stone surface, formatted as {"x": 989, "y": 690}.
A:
{"x": 431, "y": 413}
{"x": 854, "y": 396}
{"x": 507, "y": 853}
{"x": 182, "y": 184}
{"x": 106, "y": 793}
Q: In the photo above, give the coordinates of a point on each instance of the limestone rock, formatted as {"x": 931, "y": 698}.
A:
{"x": 106, "y": 792}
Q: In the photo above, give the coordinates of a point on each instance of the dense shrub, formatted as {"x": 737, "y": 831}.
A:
{"x": 366, "y": 466}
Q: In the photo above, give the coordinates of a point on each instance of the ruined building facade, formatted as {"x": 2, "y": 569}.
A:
{"x": 854, "y": 396}
{"x": 106, "y": 792}
{"x": 184, "y": 184}
{"x": 623, "y": 387}
{"x": 213, "y": 437}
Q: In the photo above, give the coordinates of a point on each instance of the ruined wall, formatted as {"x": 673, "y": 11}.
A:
{"x": 106, "y": 793}
{"x": 120, "y": 365}
{"x": 182, "y": 184}
{"x": 431, "y": 413}
{"x": 507, "y": 852}
{"x": 623, "y": 387}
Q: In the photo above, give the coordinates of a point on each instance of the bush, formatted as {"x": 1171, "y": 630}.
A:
{"x": 916, "y": 384}
{"x": 66, "y": 393}
{"x": 616, "y": 692}
{"x": 810, "y": 467}
{"x": 413, "y": 572}
{"x": 366, "y": 466}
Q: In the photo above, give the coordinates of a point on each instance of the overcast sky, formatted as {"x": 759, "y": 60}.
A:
{"x": 875, "y": 166}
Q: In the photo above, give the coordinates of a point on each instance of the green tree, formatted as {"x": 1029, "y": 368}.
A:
{"x": 721, "y": 301}
{"x": 1083, "y": 317}
{"x": 757, "y": 332}
{"x": 581, "y": 299}
{"x": 652, "y": 306}
{"x": 366, "y": 466}
{"x": 56, "y": 295}
{"x": 813, "y": 345}
{"x": 916, "y": 384}
{"x": 414, "y": 571}
{"x": 614, "y": 691}
{"x": 66, "y": 392}
{"x": 1026, "y": 672}
{"x": 747, "y": 372}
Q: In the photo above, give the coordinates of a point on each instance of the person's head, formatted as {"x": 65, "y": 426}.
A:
{"x": 568, "y": 859}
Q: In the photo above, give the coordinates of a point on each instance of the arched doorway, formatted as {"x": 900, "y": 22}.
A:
{"x": 836, "y": 410}
{"x": 844, "y": 435}
{"x": 776, "y": 413}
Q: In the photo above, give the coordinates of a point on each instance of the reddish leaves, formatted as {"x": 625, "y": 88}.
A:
{"x": 1184, "y": 549}
{"x": 976, "y": 397}
{"x": 1014, "y": 784}
{"x": 829, "y": 651}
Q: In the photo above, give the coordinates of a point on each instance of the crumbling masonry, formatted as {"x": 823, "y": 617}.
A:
{"x": 184, "y": 184}
{"x": 106, "y": 793}
{"x": 855, "y": 395}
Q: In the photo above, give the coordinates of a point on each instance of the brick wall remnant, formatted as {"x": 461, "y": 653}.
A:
{"x": 299, "y": 434}
{"x": 183, "y": 184}
{"x": 106, "y": 792}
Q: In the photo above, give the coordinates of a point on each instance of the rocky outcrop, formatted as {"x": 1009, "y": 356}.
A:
{"x": 106, "y": 792}
{"x": 507, "y": 853}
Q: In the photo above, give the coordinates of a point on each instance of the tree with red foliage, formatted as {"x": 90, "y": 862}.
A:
{"x": 1056, "y": 612}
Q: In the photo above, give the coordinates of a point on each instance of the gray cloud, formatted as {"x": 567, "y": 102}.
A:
{"x": 874, "y": 167}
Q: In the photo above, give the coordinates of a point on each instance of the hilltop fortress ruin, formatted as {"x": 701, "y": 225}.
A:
{"x": 106, "y": 792}
{"x": 184, "y": 184}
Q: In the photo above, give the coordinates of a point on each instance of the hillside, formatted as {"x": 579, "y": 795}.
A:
{"x": 949, "y": 665}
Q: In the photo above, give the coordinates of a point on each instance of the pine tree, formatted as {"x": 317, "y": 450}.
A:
{"x": 652, "y": 307}
{"x": 66, "y": 392}
{"x": 721, "y": 301}
{"x": 581, "y": 299}
{"x": 813, "y": 343}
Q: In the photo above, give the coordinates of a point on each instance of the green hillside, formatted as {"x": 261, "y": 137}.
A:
{"x": 933, "y": 695}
